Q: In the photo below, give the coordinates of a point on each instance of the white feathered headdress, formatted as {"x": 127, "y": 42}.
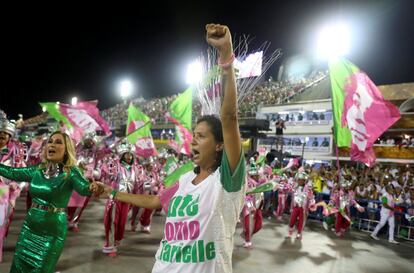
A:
{"x": 208, "y": 89}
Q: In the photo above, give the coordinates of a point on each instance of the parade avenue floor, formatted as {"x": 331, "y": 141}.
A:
{"x": 319, "y": 251}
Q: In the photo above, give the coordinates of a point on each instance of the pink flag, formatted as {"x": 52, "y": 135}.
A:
{"x": 85, "y": 118}
{"x": 367, "y": 115}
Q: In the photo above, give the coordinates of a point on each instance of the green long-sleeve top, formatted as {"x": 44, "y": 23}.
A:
{"x": 55, "y": 191}
{"x": 43, "y": 233}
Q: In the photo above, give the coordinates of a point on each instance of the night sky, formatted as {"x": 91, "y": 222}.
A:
{"x": 52, "y": 53}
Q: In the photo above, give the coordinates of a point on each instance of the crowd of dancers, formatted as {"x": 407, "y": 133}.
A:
{"x": 295, "y": 191}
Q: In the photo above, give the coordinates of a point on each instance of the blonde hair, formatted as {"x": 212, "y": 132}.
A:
{"x": 69, "y": 157}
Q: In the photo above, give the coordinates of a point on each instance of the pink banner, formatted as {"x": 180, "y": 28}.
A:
{"x": 85, "y": 118}
{"x": 367, "y": 116}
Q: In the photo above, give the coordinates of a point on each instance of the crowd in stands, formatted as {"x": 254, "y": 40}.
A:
{"x": 154, "y": 108}
{"x": 269, "y": 92}
{"x": 396, "y": 141}
{"x": 272, "y": 92}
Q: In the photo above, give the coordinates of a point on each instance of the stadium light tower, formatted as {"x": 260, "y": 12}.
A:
{"x": 333, "y": 41}
{"x": 194, "y": 72}
{"x": 125, "y": 89}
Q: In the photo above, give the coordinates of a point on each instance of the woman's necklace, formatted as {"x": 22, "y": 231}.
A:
{"x": 52, "y": 170}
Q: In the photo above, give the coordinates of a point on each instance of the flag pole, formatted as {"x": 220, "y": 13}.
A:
{"x": 334, "y": 133}
{"x": 121, "y": 139}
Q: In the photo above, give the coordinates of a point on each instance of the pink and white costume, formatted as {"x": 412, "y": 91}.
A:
{"x": 11, "y": 154}
{"x": 302, "y": 200}
{"x": 252, "y": 218}
{"x": 342, "y": 200}
{"x": 283, "y": 188}
{"x": 122, "y": 177}
{"x": 148, "y": 184}
{"x": 88, "y": 163}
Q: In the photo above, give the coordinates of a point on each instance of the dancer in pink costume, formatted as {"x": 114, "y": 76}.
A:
{"x": 87, "y": 161}
{"x": 34, "y": 153}
{"x": 283, "y": 188}
{"x": 121, "y": 174}
{"x": 302, "y": 201}
{"x": 252, "y": 218}
{"x": 342, "y": 199}
{"x": 11, "y": 154}
{"x": 159, "y": 169}
{"x": 148, "y": 184}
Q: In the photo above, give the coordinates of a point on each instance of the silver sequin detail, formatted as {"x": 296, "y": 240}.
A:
{"x": 53, "y": 170}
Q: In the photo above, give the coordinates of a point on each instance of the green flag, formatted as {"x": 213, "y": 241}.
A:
{"x": 137, "y": 119}
{"x": 4, "y": 193}
{"x": 181, "y": 109}
{"x": 139, "y": 132}
{"x": 181, "y": 115}
{"x": 277, "y": 171}
{"x": 261, "y": 160}
{"x": 170, "y": 165}
{"x": 262, "y": 188}
{"x": 339, "y": 72}
{"x": 175, "y": 175}
{"x": 53, "y": 109}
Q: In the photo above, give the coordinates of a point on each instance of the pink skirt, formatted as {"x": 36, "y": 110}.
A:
{"x": 76, "y": 200}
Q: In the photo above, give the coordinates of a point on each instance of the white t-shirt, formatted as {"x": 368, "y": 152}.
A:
{"x": 201, "y": 221}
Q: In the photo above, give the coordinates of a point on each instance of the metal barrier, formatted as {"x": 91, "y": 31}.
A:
{"x": 403, "y": 228}
{"x": 368, "y": 227}
{"x": 410, "y": 232}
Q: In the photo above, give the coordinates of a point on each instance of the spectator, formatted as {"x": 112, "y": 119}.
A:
{"x": 280, "y": 125}
{"x": 322, "y": 116}
{"x": 325, "y": 142}
{"x": 361, "y": 191}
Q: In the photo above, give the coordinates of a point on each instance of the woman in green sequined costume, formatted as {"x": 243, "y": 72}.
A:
{"x": 43, "y": 234}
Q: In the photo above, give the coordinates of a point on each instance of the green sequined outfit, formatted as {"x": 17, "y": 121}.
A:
{"x": 43, "y": 234}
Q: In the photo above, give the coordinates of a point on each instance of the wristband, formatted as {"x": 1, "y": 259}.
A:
{"x": 228, "y": 63}
{"x": 113, "y": 194}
